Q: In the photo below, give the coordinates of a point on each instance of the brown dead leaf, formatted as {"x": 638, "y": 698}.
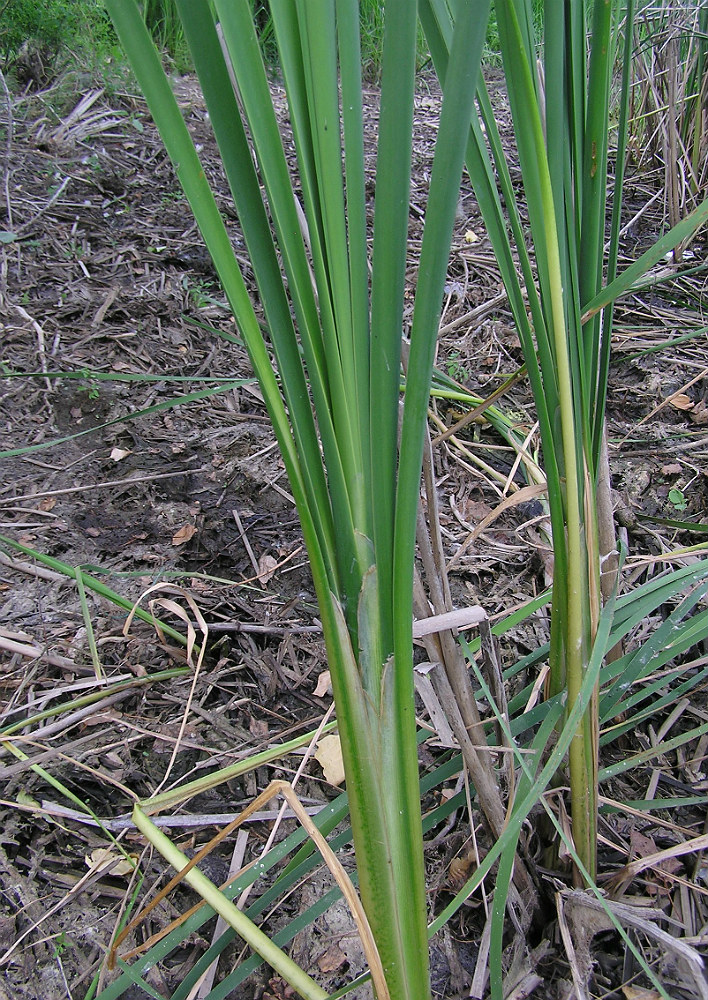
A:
{"x": 102, "y": 859}
{"x": 266, "y": 568}
{"x": 183, "y": 535}
{"x": 103, "y": 718}
{"x": 699, "y": 413}
{"x": 279, "y": 990}
{"x": 332, "y": 959}
{"x": 474, "y": 511}
{"x": 681, "y": 401}
{"x": 258, "y": 728}
{"x": 641, "y": 846}
{"x": 118, "y": 454}
{"x": 671, "y": 470}
{"x": 47, "y": 504}
{"x": 639, "y": 993}
{"x": 324, "y": 684}
{"x": 329, "y": 756}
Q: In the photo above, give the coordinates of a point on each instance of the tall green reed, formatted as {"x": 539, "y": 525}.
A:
{"x": 329, "y": 368}
{"x": 329, "y": 365}
{"x": 558, "y": 87}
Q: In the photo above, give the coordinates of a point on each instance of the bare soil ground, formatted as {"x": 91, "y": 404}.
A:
{"x": 109, "y": 275}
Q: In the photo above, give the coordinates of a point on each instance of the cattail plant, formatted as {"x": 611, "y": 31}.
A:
{"x": 329, "y": 366}
{"x": 328, "y": 347}
{"x": 559, "y": 88}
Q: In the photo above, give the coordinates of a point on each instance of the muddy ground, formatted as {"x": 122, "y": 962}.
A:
{"x": 107, "y": 275}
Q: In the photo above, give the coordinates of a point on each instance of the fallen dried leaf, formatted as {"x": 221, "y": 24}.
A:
{"x": 324, "y": 684}
{"x": 641, "y": 846}
{"x": 329, "y": 755}
{"x": 681, "y": 401}
{"x": 102, "y": 859}
{"x": 118, "y": 454}
{"x": 639, "y": 993}
{"x": 699, "y": 413}
{"x": 332, "y": 959}
{"x": 266, "y": 568}
{"x": 183, "y": 535}
{"x": 258, "y": 728}
{"x": 671, "y": 470}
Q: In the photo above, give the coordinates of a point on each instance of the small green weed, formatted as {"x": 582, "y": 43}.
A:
{"x": 61, "y": 944}
{"x": 677, "y": 498}
{"x": 91, "y": 388}
{"x": 201, "y": 292}
{"x": 456, "y": 369}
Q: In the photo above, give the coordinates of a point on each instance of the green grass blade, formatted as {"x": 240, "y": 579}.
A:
{"x": 350, "y": 69}
{"x": 644, "y": 756}
{"x": 90, "y": 583}
{"x": 260, "y": 942}
{"x": 236, "y": 156}
{"x": 168, "y": 404}
{"x": 625, "y": 281}
{"x": 391, "y": 213}
{"x": 605, "y": 335}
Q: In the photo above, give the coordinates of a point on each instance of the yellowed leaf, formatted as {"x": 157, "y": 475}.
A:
{"x": 183, "y": 535}
{"x": 25, "y": 799}
{"x": 471, "y": 236}
{"x": 329, "y": 755}
{"x": 639, "y": 993}
{"x": 324, "y": 684}
{"x": 681, "y": 401}
{"x": 103, "y": 859}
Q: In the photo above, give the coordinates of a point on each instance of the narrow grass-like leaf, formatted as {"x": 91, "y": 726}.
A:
{"x": 641, "y": 758}
{"x": 260, "y": 942}
{"x": 168, "y": 404}
{"x": 90, "y": 583}
{"x": 76, "y": 704}
{"x": 626, "y": 279}
{"x": 88, "y": 625}
{"x": 668, "y": 641}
